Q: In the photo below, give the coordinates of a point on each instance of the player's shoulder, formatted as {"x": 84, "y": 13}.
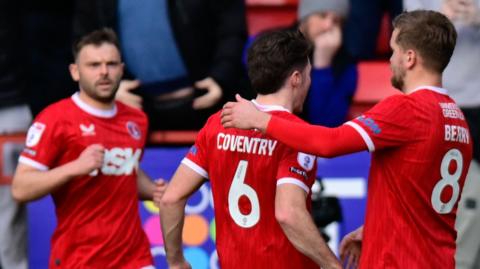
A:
{"x": 287, "y": 116}
{"x": 396, "y": 102}
{"x": 397, "y": 98}
{"x": 58, "y": 110}
{"x": 131, "y": 112}
{"x": 215, "y": 120}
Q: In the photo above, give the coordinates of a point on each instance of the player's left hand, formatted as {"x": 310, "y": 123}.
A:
{"x": 351, "y": 248}
{"x": 213, "y": 95}
{"x": 160, "y": 187}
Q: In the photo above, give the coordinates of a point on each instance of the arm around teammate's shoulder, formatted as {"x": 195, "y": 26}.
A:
{"x": 314, "y": 139}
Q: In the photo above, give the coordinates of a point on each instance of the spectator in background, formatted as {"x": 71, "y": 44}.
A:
{"x": 363, "y": 26}
{"x": 15, "y": 117}
{"x": 47, "y": 31}
{"x": 462, "y": 79}
{"x": 184, "y": 56}
{"x": 334, "y": 73}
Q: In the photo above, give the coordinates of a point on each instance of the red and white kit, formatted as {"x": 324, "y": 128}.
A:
{"x": 244, "y": 168}
{"x": 421, "y": 152}
{"x": 97, "y": 214}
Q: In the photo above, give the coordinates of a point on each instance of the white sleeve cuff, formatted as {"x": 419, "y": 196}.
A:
{"x": 366, "y": 138}
{"x": 33, "y": 163}
{"x": 294, "y": 181}
{"x": 195, "y": 167}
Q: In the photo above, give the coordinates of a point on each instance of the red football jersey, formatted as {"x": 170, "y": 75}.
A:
{"x": 98, "y": 224}
{"x": 421, "y": 152}
{"x": 244, "y": 169}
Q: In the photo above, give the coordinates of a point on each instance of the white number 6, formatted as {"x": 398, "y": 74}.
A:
{"x": 238, "y": 189}
{"x": 448, "y": 180}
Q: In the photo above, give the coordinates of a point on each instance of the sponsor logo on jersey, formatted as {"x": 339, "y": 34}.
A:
{"x": 134, "y": 130}
{"x": 120, "y": 161}
{"x": 370, "y": 123}
{"x": 34, "y": 134}
{"x": 306, "y": 161}
{"x": 451, "y": 110}
{"x": 299, "y": 172}
{"x": 87, "y": 130}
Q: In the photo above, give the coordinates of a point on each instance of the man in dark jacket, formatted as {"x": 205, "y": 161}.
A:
{"x": 183, "y": 56}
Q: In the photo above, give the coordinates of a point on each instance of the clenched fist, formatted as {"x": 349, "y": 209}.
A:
{"x": 90, "y": 160}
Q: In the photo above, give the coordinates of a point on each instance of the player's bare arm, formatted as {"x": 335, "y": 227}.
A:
{"x": 183, "y": 183}
{"x": 29, "y": 183}
{"x": 292, "y": 215}
{"x": 351, "y": 248}
{"x": 244, "y": 115}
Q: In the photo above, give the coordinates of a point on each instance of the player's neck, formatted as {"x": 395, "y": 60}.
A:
{"x": 422, "y": 79}
{"x": 275, "y": 99}
{"x": 94, "y": 103}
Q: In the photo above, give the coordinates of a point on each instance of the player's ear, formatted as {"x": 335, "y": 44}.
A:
{"x": 295, "y": 79}
{"x": 74, "y": 72}
{"x": 411, "y": 58}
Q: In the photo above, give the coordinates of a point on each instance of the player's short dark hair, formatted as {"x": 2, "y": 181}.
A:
{"x": 273, "y": 57}
{"x": 96, "y": 38}
{"x": 430, "y": 33}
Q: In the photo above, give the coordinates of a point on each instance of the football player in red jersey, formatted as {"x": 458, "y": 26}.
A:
{"x": 85, "y": 152}
{"x": 421, "y": 151}
{"x": 261, "y": 188}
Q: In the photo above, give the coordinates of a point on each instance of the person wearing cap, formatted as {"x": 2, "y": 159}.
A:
{"x": 334, "y": 72}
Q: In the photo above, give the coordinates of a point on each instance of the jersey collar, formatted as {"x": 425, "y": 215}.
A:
{"x": 268, "y": 108}
{"x": 92, "y": 110}
{"x": 432, "y": 88}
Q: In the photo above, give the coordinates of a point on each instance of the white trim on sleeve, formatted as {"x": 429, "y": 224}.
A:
{"x": 294, "y": 181}
{"x": 363, "y": 134}
{"x": 33, "y": 163}
{"x": 195, "y": 167}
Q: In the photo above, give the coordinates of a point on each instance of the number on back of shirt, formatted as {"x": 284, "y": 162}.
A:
{"x": 239, "y": 189}
{"x": 448, "y": 180}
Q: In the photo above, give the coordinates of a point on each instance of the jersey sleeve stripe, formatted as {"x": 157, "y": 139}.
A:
{"x": 195, "y": 167}
{"x": 33, "y": 163}
{"x": 294, "y": 181}
{"x": 363, "y": 134}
